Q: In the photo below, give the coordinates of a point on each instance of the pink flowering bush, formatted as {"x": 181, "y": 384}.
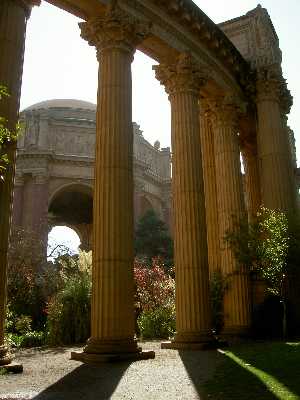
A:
{"x": 154, "y": 301}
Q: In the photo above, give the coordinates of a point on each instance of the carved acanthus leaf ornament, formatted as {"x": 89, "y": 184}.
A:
{"x": 225, "y": 111}
{"x": 182, "y": 76}
{"x": 116, "y": 29}
{"x": 269, "y": 84}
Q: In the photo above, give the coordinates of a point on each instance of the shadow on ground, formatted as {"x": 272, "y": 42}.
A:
{"x": 199, "y": 366}
{"x": 86, "y": 382}
{"x": 279, "y": 360}
{"x": 267, "y": 371}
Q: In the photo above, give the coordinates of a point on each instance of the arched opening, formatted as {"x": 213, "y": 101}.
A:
{"x": 62, "y": 239}
{"x": 71, "y": 209}
{"x": 145, "y": 206}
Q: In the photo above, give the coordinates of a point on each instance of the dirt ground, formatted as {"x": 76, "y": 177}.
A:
{"x": 49, "y": 374}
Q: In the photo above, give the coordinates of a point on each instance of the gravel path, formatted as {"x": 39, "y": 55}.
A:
{"x": 49, "y": 374}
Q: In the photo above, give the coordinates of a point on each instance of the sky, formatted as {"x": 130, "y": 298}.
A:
{"x": 59, "y": 64}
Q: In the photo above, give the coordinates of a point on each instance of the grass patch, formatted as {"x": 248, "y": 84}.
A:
{"x": 263, "y": 371}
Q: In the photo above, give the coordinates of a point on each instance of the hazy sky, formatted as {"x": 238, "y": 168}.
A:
{"x": 59, "y": 64}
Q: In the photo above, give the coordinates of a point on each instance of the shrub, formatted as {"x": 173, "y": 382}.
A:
{"x": 158, "y": 323}
{"x": 155, "y": 302}
{"x": 28, "y": 339}
{"x": 68, "y": 311}
{"x": 23, "y": 324}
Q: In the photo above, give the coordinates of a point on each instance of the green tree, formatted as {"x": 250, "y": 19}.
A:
{"x": 152, "y": 239}
{"x": 263, "y": 246}
{"x": 6, "y": 137}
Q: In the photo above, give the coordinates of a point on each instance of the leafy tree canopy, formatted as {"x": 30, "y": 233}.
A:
{"x": 152, "y": 239}
{"x": 263, "y": 246}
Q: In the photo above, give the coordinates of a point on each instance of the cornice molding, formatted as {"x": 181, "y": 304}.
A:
{"x": 198, "y": 23}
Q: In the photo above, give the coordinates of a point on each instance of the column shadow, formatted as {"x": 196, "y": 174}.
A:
{"x": 226, "y": 378}
{"x": 279, "y": 359}
{"x": 86, "y": 382}
{"x": 200, "y": 366}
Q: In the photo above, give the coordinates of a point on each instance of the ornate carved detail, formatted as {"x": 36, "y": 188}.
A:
{"x": 286, "y": 100}
{"x": 184, "y": 75}
{"x": 225, "y": 111}
{"x": 269, "y": 84}
{"x": 116, "y": 29}
{"x": 40, "y": 177}
{"x": 19, "y": 179}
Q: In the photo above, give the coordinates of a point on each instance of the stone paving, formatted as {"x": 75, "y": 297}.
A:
{"x": 49, "y": 374}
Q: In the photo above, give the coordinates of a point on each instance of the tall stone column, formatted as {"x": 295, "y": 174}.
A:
{"x": 115, "y": 37}
{"x": 182, "y": 82}
{"x": 230, "y": 203}
{"x": 252, "y": 183}
{"x": 13, "y": 18}
{"x": 272, "y": 146}
{"x": 210, "y": 188}
{"x": 17, "y": 214}
{"x": 35, "y": 205}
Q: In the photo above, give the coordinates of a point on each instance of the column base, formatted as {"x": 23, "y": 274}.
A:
{"x": 232, "y": 332}
{"x": 12, "y": 368}
{"x": 98, "y": 358}
{"x": 5, "y": 356}
{"x": 101, "y": 351}
{"x": 190, "y": 342}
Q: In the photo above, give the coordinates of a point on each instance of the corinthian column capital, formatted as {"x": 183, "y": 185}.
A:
{"x": 185, "y": 75}
{"x": 116, "y": 29}
{"x": 269, "y": 85}
{"x": 225, "y": 111}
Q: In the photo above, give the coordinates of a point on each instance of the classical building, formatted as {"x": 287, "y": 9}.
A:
{"x": 228, "y": 96}
{"x": 55, "y": 170}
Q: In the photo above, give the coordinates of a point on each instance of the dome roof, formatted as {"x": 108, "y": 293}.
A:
{"x": 63, "y": 103}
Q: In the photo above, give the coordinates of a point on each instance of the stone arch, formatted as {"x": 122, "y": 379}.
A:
{"x": 72, "y": 205}
{"x": 146, "y": 205}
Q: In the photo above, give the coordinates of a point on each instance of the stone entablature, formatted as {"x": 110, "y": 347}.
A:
{"x": 253, "y": 34}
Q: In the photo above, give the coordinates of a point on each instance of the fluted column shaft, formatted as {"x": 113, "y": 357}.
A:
{"x": 190, "y": 248}
{"x": 252, "y": 182}
{"x": 210, "y": 190}
{"x": 13, "y": 17}
{"x": 112, "y": 319}
{"x": 273, "y": 151}
{"x": 230, "y": 210}
{"x": 18, "y": 201}
{"x": 112, "y": 307}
